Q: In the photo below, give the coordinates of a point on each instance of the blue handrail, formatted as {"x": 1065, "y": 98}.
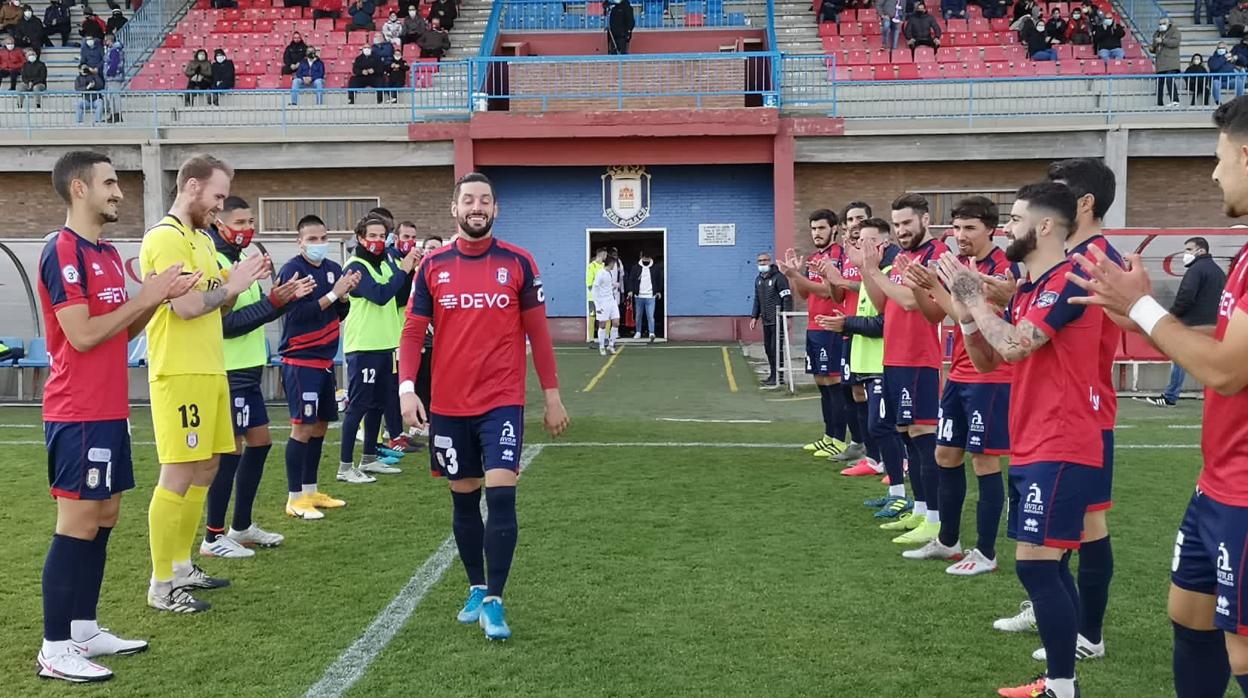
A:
{"x": 147, "y": 29}
{"x": 1144, "y": 15}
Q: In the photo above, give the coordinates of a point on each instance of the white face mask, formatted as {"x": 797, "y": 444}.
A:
{"x": 367, "y": 51}
{"x": 90, "y": 42}
{"x": 411, "y": 13}
{"x": 220, "y": 59}
{"x": 8, "y": 46}
{"x": 28, "y": 15}
{"x": 764, "y": 268}
{"x": 1188, "y": 258}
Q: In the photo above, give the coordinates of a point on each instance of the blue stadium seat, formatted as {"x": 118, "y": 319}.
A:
{"x": 36, "y": 355}
{"x": 12, "y": 343}
{"x": 695, "y": 7}
{"x": 136, "y": 351}
{"x": 736, "y": 19}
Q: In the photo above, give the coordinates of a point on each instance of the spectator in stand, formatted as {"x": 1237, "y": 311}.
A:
{"x": 1028, "y": 21}
{"x": 34, "y": 78}
{"x": 396, "y": 72}
{"x": 829, "y": 10}
{"x": 10, "y": 13}
{"x": 1240, "y": 52}
{"x": 1023, "y": 8}
{"x": 1195, "y": 305}
{"x": 115, "y": 22}
{"x": 1222, "y": 64}
{"x": 1220, "y": 10}
{"x": 365, "y": 74}
{"x": 890, "y": 21}
{"x": 222, "y": 75}
{"x": 1197, "y": 79}
{"x": 953, "y": 9}
{"x": 311, "y": 73}
{"x": 224, "y": 4}
{"x": 620, "y": 24}
{"x": 1166, "y": 42}
{"x": 414, "y": 25}
{"x": 89, "y": 85}
{"x": 327, "y": 9}
{"x": 294, "y": 54}
{"x": 1055, "y": 28}
{"x": 56, "y": 21}
{"x": 1078, "y": 29}
{"x": 1237, "y": 20}
{"x": 995, "y": 9}
{"x": 296, "y": 3}
{"x": 382, "y": 49}
{"x": 435, "y": 42}
{"x": 198, "y": 75}
{"x": 92, "y": 26}
{"x": 361, "y": 12}
{"x": 29, "y": 30}
{"x": 114, "y": 76}
{"x": 1196, "y": 11}
{"x": 1091, "y": 12}
{"x": 393, "y": 28}
{"x": 92, "y": 53}
{"x": 1039, "y": 43}
{"x": 921, "y": 28}
{"x": 1107, "y": 39}
{"x": 11, "y": 61}
{"x": 447, "y": 11}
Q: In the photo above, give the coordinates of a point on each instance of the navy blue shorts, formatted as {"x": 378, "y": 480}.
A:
{"x": 1047, "y": 502}
{"x": 466, "y": 447}
{"x": 846, "y": 346}
{"x": 1209, "y": 554}
{"x": 247, "y": 406}
{"x": 975, "y": 417}
{"x": 89, "y": 460}
{"x": 310, "y": 394}
{"x": 913, "y": 394}
{"x": 370, "y": 379}
{"x": 824, "y": 352}
{"x": 880, "y": 421}
{"x": 1103, "y": 492}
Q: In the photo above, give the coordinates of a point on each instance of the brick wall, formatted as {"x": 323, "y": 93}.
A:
{"x": 599, "y": 78}
{"x": 31, "y": 209}
{"x": 1173, "y": 192}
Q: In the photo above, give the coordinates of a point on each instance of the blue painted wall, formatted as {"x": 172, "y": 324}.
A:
{"x": 548, "y": 209}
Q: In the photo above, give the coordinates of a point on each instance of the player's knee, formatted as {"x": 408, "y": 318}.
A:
{"x": 860, "y": 393}
{"x": 1095, "y": 526}
{"x": 947, "y": 457}
{"x": 921, "y": 429}
{"x": 985, "y": 464}
{"x": 1190, "y": 609}
{"x": 1237, "y": 653}
{"x": 500, "y": 477}
{"x": 501, "y": 501}
{"x": 466, "y": 485}
{"x": 1031, "y": 551}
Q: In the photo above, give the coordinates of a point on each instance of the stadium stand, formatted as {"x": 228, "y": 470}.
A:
{"x": 62, "y": 62}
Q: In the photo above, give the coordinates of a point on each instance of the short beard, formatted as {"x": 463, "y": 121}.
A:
{"x": 917, "y": 240}
{"x": 475, "y": 234}
{"x": 106, "y": 217}
{"x": 1021, "y": 247}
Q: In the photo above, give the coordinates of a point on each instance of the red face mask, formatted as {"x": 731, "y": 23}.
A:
{"x": 374, "y": 247}
{"x": 404, "y": 246}
{"x": 240, "y": 237}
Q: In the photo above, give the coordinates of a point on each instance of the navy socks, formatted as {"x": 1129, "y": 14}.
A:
{"x": 87, "y": 596}
{"x": 247, "y": 483}
{"x": 925, "y": 444}
{"x": 1096, "y": 569}
{"x": 988, "y": 513}
{"x": 296, "y": 458}
{"x": 500, "y": 536}
{"x": 1055, "y": 613}
{"x": 469, "y": 532}
{"x": 1201, "y": 667}
{"x": 313, "y": 462}
{"x": 219, "y": 496}
{"x": 64, "y": 572}
{"x": 952, "y": 494}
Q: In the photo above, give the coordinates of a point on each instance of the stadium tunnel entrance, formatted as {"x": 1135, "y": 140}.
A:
{"x": 630, "y": 244}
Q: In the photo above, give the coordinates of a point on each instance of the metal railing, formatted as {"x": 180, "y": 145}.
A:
{"x": 1144, "y": 15}
{"x": 591, "y": 15}
{"x": 147, "y": 29}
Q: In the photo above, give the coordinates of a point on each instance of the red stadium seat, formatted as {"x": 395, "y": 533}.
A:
{"x": 850, "y": 29}
{"x": 1000, "y": 69}
{"x": 957, "y": 25}
{"x": 978, "y": 70}
{"x": 825, "y": 28}
{"x": 929, "y": 71}
{"x": 953, "y": 71}
{"x": 1118, "y": 67}
{"x": 271, "y": 82}
{"x": 994, "y": 54}
{"x": 880, "y": 57}
{"x": 856, "y": 58}
{"x": 949, "y": 55}
{"x": 903, "y": 56}
{"x": 924, "y": 54}
{"x": 999, "y": 25}
{"x": 907, "y": 71}
{"x": 1065, "y": 52}
{"x": 884, "y": 72}
{"x": 1045, "y": 68}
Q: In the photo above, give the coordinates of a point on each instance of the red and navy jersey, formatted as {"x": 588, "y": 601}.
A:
{"x": 309, "y": 334}
{"x": 87, "y": 386}
{"x": 849, "y": 305}
{"x": 1055, "y": 399}
{"x": 474, "y": 292}
{"x": 1224, "y": 442}
{"x": 818, "y": 305}
{"x": 1111, "y": 336}
{"x": 909, "y": 339}
{"x": 962, "y": 370}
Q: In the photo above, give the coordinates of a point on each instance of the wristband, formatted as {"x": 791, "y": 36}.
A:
{"x": 968, "y": 328}
{"x": 333, "y": 297}
{"x": 407, "y": 388}
{"x": 1147, "y": 312}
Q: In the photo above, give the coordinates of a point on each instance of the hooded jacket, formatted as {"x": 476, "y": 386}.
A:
{"x": 222, "y": 74}
{"x": 115, "y": 61}
{"x": 196, "y": 67}
{"x": 771, "y": 291}
{"x": 922, "y": 27}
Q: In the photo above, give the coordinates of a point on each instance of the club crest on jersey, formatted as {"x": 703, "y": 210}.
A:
{"x": 192, "y": 440}
{"x": 93, "y": 478}
{"x": 95, "y": 269}
{"x": 1046, "y": 299}
{"x": 330, "y": 276}
{"x": 507, "y": 437}
{"x": 70, "y": 272}
{"x": 501, "y": 275}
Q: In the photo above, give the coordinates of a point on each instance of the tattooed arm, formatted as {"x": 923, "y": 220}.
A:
{"x": 1009, "y": 342}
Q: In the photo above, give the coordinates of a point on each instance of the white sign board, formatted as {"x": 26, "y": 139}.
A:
{"x": 717, "y": 234}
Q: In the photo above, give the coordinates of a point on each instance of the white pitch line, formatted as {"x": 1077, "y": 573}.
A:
{"x": 352, "y": 664}
{"x": 713, "y": 421}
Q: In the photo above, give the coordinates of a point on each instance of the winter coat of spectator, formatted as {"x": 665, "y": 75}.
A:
{"x": 224, "y": 4}
{"x": 115, "y": 22}
{"x": 953, "y": 9}
{"x": 92, "y": 52}
{"x": 294, "y": 54}
{"x": 327, "y": 9}
{"x": 366, "y": 73}
{"x": 88, "y": 82}
{"x": 222, "y": 71}
{"x": 311, "y": 67}
{"x": 413, "y": 26}
{"x": 1237, "y": 20}
{"x": 393, "y": 28}
{"x": 1222, "y": 60}
{"x": 830, "y": 10}
{"x": 10, "y": 13}
{"x": 435, "y": 42}
{"x": 89, "y": 86}
{"x": 1218, "y": 11}
{"x": 56, "y": 21}
{"x": 1037, "y": 41}
{"x": 396, "y": 71}
{"x": 445, "y": 11}
{"x": 1055, "y": 27}
{"x": 92, "y": 26}
{"x": 34, "y": 71}
{"x": 1240, "y": 52}
{"x": 11, "y": 60}
{"x": 1166, "y": 42}
{"x": 1078, "y": 29}
{"x": 383, "y": 51}
{"x": 198, "y": 73}
{"x": 296, "y": 3}
{"x": 362, "y": 15}
{"x": 1108, "y": 36}
{"x": 1198, "y": 81}
{"x": 29, "y": 30}
{"x": 995, "y": 9}
{"x": 921, "y": 28}
{"x": 620, "y": 24}
{"x": 114, "y": 59}
{"x": 1022, "y": 8}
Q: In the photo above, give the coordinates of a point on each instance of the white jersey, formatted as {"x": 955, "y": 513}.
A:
{"x": 603, "y": 290}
